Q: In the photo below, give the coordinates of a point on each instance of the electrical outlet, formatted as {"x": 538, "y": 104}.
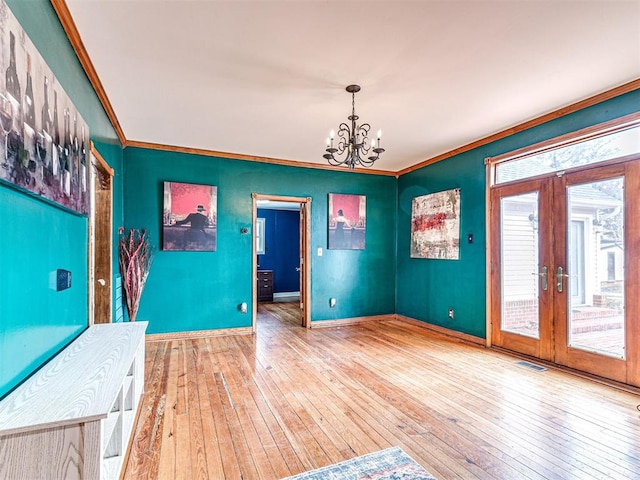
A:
{"x": 451, "y": 313}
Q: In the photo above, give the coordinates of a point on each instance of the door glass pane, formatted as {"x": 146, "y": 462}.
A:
{"x": 519, "y": 269}
{"x": 595, "y": 256}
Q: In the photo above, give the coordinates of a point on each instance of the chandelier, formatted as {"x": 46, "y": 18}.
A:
{"x": 353, "y": 141}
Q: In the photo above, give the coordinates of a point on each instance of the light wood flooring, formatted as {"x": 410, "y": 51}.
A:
{"x": 290, "y": 399}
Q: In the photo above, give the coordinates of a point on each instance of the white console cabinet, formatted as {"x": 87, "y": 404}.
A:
{"x": 74, "y": 417}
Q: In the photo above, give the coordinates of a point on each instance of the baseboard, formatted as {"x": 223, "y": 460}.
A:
{"x": 341, "y": 322}
{"x": 286, "y": 294}
{"x": 222, "y": 332}
{"x": 442, "y": 330}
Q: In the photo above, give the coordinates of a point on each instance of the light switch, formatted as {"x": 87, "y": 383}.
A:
{"x": 319, "y": 251}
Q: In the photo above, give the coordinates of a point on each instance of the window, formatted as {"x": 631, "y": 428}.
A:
{"x": 603, "y": 142}
{"x": 260, "y": 236}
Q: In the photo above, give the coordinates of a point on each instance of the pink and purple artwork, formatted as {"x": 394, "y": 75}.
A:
{"x": 189, "y": 219}
{"x": 347, "y": 221}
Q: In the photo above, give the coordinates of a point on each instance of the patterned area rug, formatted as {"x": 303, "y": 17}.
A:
{"x": 389, "y": 464}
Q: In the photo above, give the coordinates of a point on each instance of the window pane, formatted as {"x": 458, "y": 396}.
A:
{"x": 519, "y": 249}
{"x": 595, "y": 252}
{"x": 260, "y": 236}
{"x": 599, "y": 149}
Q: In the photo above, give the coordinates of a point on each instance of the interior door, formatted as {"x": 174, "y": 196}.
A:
{"x": 100, "y": 240}
{"x": 565, "y": 268}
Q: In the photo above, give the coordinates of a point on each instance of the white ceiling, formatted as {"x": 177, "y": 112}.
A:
{"x": 267, "y": 78}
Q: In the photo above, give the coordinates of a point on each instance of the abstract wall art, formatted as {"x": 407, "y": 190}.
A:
{"x": 435, "y": 225}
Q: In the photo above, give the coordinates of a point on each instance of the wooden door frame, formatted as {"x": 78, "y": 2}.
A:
{"x": 99, "y": 163}
{"x": 305, "y": 289}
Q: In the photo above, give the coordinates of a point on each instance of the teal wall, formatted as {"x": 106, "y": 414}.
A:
{"x": 36, "y": 319}
{"x": 36, "y": 238}
{"x": 428, "y": 288}
{"x": 201, "y": 290}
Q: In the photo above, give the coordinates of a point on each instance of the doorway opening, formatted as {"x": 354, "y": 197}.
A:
{"x": 284, "y": 276}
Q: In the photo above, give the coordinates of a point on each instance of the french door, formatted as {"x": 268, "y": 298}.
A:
{"x": 565, "y": 269}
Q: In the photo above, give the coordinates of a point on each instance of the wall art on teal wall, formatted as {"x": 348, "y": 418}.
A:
{"x": 37, "y": 152}
{"x": 189, "y": 218}
{"x": 435, "y": 225}
{"x": 347, "y": 221}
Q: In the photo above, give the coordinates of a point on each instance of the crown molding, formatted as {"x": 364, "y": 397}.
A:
{"x": 251, "y": 158}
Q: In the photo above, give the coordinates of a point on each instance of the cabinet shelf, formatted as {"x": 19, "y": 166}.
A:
{"x": 108, "y": 426}
{"x": 83, "y": 403}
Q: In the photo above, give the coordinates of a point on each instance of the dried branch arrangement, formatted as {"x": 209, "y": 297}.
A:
{"x": 135, "y": 255}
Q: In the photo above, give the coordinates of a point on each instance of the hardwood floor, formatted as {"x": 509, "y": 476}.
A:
{"x": 290, "y": 399}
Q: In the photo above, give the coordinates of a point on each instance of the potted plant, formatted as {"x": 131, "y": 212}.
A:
{"x": 134, "y": 255}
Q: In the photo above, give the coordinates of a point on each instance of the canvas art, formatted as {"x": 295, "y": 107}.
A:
{"x": 43, "y": 138}
{"x": 189, "y": 219}
{"x": 347, "y": 221}
{"x": 435, "y": 225}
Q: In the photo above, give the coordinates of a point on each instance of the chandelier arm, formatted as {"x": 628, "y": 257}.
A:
{"x": 344, "y": 134}
{"x": 336, "y": 162}
{"x": 358, "y": 160}
{"x": 363, "y": 132}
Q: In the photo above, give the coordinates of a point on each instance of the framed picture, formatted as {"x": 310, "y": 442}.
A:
{"x": 347, "y": 221}
{"x": 44, "y": 142}
{"x": 435, "y": 225}
{"x": 189, "y": 218}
